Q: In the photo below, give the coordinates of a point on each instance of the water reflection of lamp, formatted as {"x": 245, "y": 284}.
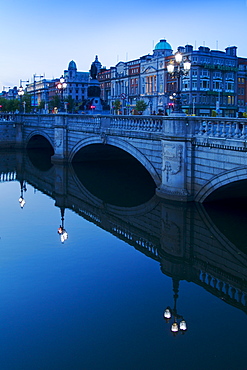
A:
{"x": 179, "y": 324}
{"x": 61, "y": 230}
{"x": 23, "y": 188}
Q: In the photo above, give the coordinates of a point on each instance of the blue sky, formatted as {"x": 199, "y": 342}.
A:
{"x": 44, "y": 36}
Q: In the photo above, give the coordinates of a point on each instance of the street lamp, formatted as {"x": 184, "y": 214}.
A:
{"x": 61, "y": 87}
{"x": 20, "y": 93}
{"x": 179, "y": 324}
{"x": 180, "y": 67}
{"x": 61, "y": 230}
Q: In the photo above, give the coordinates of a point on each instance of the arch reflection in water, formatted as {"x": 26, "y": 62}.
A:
{"x": 183, "y": 239}
{"x": 40, "y": 151}
{"x": 113, "y": 175}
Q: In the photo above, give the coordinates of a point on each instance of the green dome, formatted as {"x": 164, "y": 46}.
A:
{"x": 163, "y": 45}
{"x": 72, "y": 65}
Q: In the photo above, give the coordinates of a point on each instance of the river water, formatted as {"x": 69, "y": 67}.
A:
{"x": 96, "y": 300}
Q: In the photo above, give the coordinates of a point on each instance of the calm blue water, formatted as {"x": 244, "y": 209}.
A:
{"x": 95, "y": 302}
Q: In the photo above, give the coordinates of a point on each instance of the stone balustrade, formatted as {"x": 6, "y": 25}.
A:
{"x": 187, "y": 126}
{"x": 223, "y": 128}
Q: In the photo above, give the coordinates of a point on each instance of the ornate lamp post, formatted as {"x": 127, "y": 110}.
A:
{"x": 179, "y": 324}
{"x": 61, "y": 87}
{"x": 20, "y": 93}
{"x": 180, "y": 67}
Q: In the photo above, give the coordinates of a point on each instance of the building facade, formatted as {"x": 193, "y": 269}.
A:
{"x": 215, "y": 85}
{"x": 211, "y": 85}
{"x": 242, "y": 86}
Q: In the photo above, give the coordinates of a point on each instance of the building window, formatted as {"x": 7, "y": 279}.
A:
{"x": 185, "y": 85}
{"x": 204, "y": 84}
{"x": 217, "y": 85}
{"x": 217, "y": 75}
{"x": 194, "y": 73}
{"x": 229, "y": 76}
{"x": 229, "y": 86}
{"x": 204, "y": 73}
{"x": 230, "y": 100}
{"x": 194, "y": 85}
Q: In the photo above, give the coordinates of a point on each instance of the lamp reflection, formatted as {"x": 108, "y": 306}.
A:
{"x": 61, "y": 230}
{"x": 22, "y": 201}
{"x": 179, "y": 324}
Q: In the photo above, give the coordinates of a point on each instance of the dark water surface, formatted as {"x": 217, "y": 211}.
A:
{"x": 97, "y": 300}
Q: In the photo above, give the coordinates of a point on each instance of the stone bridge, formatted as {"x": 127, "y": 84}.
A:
{"x": 182, "y": 238}
{"x": 189, "y": 158}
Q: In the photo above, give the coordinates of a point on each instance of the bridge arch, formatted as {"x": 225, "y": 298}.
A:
{"x": 226, "y": 178}
{"x": 37, "y": 133}
{"x": 121, "y": 144}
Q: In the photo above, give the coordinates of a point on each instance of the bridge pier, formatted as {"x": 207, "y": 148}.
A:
{"x": 60, "y": 139}
{"x": 174, "y": 172}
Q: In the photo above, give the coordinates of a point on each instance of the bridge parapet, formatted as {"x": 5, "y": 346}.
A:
{"x": 232, "y": 128}
{"x": 7, "y": 117}
{"x": 223, "y": 127}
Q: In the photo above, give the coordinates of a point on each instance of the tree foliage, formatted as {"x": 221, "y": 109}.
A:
{"x": 141, "y": 106}
{"x": 54, "y": 102}
{"x": 70, "y": 104}
{"x": 9, "y": 105}
{"x": 117, "y": 105}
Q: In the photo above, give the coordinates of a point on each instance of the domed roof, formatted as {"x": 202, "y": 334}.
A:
{"x": 163, "y": 45}
{"x": 72, "y": 65}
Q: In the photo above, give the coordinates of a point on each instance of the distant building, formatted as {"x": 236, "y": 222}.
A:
{"x": 39, "y": 91}
{"x": 11, "y": 93}
{"x": 77, "y": 83}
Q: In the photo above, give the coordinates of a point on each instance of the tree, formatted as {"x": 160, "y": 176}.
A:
{"x": 9, "y": 105}
{"x": 141, "y": 106}
{"x": 70, "y": 104}
{"x": 117, "y": 106}
{"x": 54, "y": 102}
{"x": 41, "y": 105}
